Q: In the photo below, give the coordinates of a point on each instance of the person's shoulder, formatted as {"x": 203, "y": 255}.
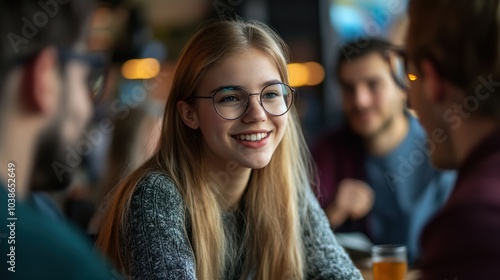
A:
{"x": 31, "y": 221}
{"x": 479, "y": 191}
{"x": 473, "y": 203}
{"x": 44, "y": 244}
{"x": 156, "y": 180}
{"x": 156, "y": 187}
{"x": 468, "y": 221}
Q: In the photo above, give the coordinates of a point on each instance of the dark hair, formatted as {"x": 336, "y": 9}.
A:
{"x": 29, "y": 26}
{"x": 462, "y": 40}
{"x": 359, "y": 48}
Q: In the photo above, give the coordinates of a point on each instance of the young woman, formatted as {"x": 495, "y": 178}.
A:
{"x": 227, "y": 194}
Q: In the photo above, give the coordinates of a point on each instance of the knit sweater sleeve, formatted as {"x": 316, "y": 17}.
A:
{"x": 156, "y": 245}
{"x": 325, "y": 258}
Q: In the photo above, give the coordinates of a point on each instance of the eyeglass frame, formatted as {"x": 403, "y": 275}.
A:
{"x": 424, "y": 54}
{"x": 400, "y": 52}
{"x": 94, "y": 60}
{"x": 213, "y": 92}
{"x": 65, "y": 55}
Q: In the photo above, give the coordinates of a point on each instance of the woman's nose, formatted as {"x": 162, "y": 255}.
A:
{"x": 255, "y": 112}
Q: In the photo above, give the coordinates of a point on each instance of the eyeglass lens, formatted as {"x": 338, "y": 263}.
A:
{"x": 97, "y": 69}
{"x": 96, "y": 81}
{"x": 232, "y": 102}
{"x": 398, "y": 68}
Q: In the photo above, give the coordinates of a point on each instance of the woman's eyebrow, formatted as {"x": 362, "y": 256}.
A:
{"x": 223, "y": 87}
{"x": 264, "y": 84}
{"x": 273, "y": 81}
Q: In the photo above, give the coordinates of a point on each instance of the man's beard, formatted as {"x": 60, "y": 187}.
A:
{"x": 50, "y": 149}
{"x": 386, "y": 125}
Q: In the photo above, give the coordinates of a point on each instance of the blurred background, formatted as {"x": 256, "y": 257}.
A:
{"x": 143, "y": 39}
{"x": 155, "y": 31}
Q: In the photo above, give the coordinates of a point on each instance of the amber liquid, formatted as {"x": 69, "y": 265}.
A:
{"x": 389, "y": 270}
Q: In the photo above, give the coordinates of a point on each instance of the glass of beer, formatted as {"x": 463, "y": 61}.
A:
{"x": 389, "y": 262}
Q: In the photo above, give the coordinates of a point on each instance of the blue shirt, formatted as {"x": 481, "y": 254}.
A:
{"x": 408, "y": 190}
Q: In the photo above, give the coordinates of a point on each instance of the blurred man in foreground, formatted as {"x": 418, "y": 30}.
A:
{"x": 453, "y": 51}
{"x": 43, "y": 73}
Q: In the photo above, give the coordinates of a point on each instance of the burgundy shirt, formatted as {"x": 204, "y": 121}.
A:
{"x": 463, "y": 240}
{"x": 339, "y": 155}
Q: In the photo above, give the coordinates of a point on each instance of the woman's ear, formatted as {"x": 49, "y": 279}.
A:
{"x": 188, "y": 114}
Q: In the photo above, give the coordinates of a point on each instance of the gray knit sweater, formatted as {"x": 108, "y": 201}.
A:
{"x": 156, "y": 244}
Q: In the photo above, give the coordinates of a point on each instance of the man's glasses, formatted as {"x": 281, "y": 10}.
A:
{"x": 398, "y": 63}
{"x": 97, "y": 63}
{"x": 232, "y": 102}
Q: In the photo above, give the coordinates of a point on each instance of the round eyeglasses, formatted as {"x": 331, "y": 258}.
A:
{"x": 231, "y": 102}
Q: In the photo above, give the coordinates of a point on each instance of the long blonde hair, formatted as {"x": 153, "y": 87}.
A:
{"x": 274, "y": 248}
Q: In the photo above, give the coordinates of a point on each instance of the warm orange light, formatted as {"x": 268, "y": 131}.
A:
{"x": 298, "y": 74}
{"x": 412, "y": 77}
{"x": 305, "y": 74}
{"x": 316, "y": 73}
{"x": 144, "y": 68}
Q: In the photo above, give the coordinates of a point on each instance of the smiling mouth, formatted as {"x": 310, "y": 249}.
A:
{"x": 254, "y": 137}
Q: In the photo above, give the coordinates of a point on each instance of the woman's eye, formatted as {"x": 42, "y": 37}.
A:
{"x": 270, "y": 95}
{"x": 228, "y": 99}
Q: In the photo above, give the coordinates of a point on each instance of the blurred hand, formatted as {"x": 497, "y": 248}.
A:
{"x": 354, "y": 200}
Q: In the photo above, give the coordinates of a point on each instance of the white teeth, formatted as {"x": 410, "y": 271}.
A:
{"x": 252, "y": 137}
